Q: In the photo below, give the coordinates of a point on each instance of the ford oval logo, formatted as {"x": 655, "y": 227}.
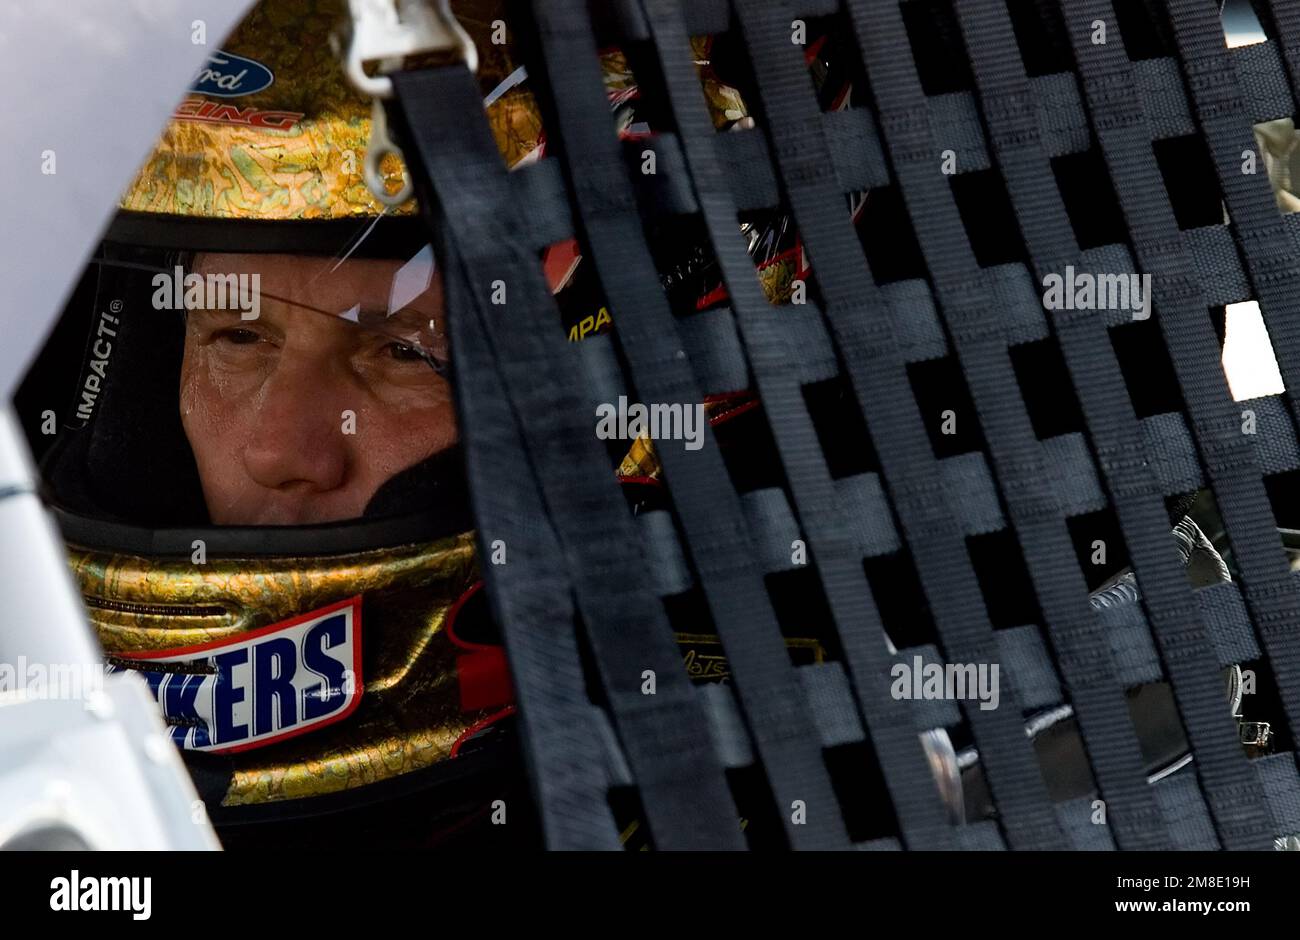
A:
{"x": 228, "y": 76}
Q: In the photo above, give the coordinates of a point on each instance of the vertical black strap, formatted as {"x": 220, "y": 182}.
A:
{"x": 664, "y": 734}
{"x": 531, "y": 595}
{"x": 1120, "y": 125}
{"x": 863, "y": 326}
{"x": 979, "y": 337}
{"x": 709, "y": 510}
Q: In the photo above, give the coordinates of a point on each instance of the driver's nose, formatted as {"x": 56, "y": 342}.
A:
{"x": 297, "y": 442}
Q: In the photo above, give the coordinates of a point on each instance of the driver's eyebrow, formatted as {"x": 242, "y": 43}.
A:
{"x": 202, "y": 320}
{"x": 215, "y": 313}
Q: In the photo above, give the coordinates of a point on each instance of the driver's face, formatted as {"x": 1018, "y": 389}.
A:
{"x": 300, "y": 416}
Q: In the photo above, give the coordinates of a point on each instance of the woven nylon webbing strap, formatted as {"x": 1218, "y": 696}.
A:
{"x": 858, "y": 622}
{"x": 1001, "y": 81}
{"x": 861, "y": 323}
{"x": 707, "y": 506}
{"x": 981, "y": 342}
{"x": 1241, "y": 816}
{"x": 1182, "y": 313}
{"x": 583, "y": 593}
{"x": 664, "y": 735}
{"x": 1272, "y": 259}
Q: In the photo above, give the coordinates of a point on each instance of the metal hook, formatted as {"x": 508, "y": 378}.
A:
{"x": 387, "y": 31}
{"x": 380, "y": 145}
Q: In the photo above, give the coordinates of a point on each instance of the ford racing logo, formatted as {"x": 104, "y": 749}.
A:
{"x": 228, "y": 76}
{"x": 263, "y": 686}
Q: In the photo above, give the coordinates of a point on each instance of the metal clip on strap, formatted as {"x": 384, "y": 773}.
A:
{"x": 387, "y": 32}
{"x": 380, "y": 34}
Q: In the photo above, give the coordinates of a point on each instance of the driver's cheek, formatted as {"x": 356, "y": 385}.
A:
{"x": 394, "y": 431}
{"x": 215, "y": 410}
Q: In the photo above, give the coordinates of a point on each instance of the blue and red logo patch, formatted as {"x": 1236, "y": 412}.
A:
{"x": 226, "y": 75}
{"x": 260, "y": 687}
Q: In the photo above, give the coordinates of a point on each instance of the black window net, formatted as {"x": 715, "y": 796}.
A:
{"x": 969, "y": 458}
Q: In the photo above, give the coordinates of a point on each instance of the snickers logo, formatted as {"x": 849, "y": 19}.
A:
{"x": 263, "y": 686}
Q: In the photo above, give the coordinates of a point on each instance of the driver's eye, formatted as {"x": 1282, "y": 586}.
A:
{"x": 239, "y": 337}
{"x": 404, "y": 352}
